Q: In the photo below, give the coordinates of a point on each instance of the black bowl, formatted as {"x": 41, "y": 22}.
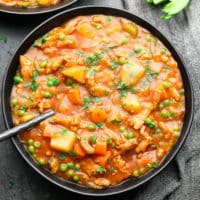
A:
{"x": 56, "y": 21}
{"x": 37, "y": 10}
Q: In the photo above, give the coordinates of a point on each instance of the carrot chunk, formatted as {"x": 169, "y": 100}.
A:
{"x": 100, "y": 148}
{"x": 98, "y": 115}
{"x": 74, "y": 96}
{"x": 79, "y": 150}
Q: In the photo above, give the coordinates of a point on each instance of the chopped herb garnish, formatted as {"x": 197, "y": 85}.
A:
{"x": 106, "y": 50}
{"x": 62, "y": 156}
{"x": 43, "y": 39}
{"x": 62, "y": 132}
{"x": 31, "y": 99}
{"x": 27, "y": 84}
{"x": 131, "y": 53}
{"x": 116, "y": 121}
{"x": 154, "y": 75}
{"x": 99, "y": 125}
{"x": 96, "y": 99}
{"x": 167, "y": 67}
{"x": 93, "y": 59}
{"x": 3, "y": 38}
{"x": 155, "y": 164}
{"x": 86, "y": 101}
{"x": 93, "y": 72}
{"x": 122, "y": 86}
{"x": 81, "y": 53}
{"x": 100, "y": 170}
{"x": 123, "y": 93}
{"x": 93, "y": 139}
{"x": 72, "y": 153}
{"x": 35, "y": 43}
{"x": 114, "y": 64}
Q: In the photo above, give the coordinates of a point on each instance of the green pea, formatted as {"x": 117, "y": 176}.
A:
{"x": 70, "y": 173}
{"x": 77, "y": 167}
{"x": 166, "y": 84}
{"x": 148, "y": 121}
{"x": 137, "y": 50}
{"x": 109, "y": 18}
{"x": 17, "y": 79}
{"x": 125, "y": 41}
{"x": 44, "y": 63}
{"x": 76, "y": 178}
{"x": 21, "y": 113}
{"x": 129, "y": 135}
{"x": 136, "y": 173}
{"x": 50, "y": 83}
{"x": 63, "y": 167}
{"x": 41, "y": 161}
{"x": 148, "y": 38}
{"x": 163, "y": 51}
{"x": 50, "y": 78}
{"x": 56, "y": 82}
{"x": 166, "y": 102}
{"x": 99, "y": 26}
{"x": 37, "y": 144}
{"x": 91, "y": 127}
{"x": 30, "y": 142}
{"x": 70, "y": 165}
{"x": 25, "y": 4}
{"x": 152, "y": 125}
{"x": 31, "y": 149}
{"x": 122, "y": 60}
{"x": 165, "y": 114}
{"x": 47, "y": 95}
{"x": 62, "y": 36}
{"x": 91, "y": 56}
{"x": 14, "y": 101}
{"x": 133, "y": 90}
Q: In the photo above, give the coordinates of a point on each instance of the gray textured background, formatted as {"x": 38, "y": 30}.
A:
{"x": 180, "y": 180}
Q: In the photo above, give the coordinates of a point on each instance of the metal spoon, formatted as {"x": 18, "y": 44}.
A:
{"x": 22, "y": 127}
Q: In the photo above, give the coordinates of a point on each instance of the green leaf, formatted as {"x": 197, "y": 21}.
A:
{"x": 156, "y": 2}
{"x": 3, "y": 38}
{"x": 175, "y": 6}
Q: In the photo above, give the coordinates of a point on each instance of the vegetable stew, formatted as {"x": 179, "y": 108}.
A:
{"x": 29, "y": 3}
{"x": 118, "y": 96}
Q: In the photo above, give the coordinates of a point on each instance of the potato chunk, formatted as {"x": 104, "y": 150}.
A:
{"x": 131, "y": 73}
{"x": 131, "y": 103}
{"x": 27, "y": 67}
{"x": 63, "y": 142}
{"x": 76, "y": 73}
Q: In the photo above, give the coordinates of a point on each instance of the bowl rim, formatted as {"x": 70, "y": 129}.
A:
{"x": 187, "y": 85}
{"x": 11, "y": 10}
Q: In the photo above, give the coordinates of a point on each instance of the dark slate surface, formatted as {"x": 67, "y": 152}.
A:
{"x": 180, "y": 180}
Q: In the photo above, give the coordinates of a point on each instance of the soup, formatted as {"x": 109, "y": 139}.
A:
{"x": 29, "y": 3}
{"x": 118, "y": 97}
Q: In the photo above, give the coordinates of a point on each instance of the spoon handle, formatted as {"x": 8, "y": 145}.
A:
{"x": 22, "y": 127}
